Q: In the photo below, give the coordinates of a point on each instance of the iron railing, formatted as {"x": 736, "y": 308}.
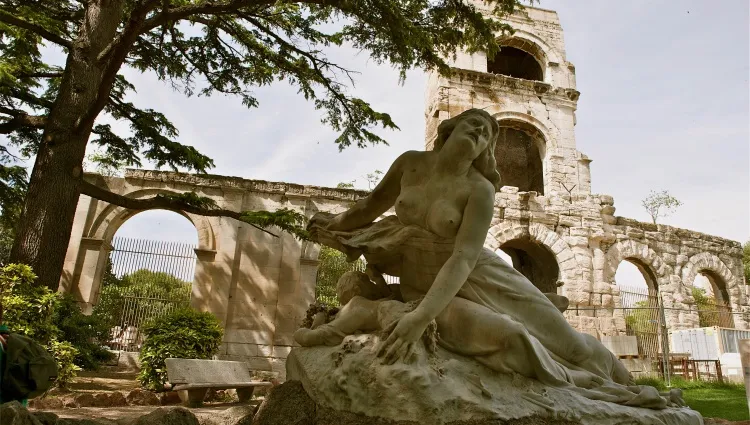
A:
{"x": 144, "y": 280}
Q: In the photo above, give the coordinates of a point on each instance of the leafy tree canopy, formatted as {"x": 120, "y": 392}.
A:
{"x": 198, "y": 47}
{"x": 231, "y": 46}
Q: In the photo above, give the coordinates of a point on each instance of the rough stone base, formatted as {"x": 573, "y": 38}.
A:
{"x": 290, "y": 404}
{"x": 443, "y": 389}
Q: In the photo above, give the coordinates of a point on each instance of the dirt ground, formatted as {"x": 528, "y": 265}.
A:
{"x": 104, "y": 381}
{"x": 214, "y": 414}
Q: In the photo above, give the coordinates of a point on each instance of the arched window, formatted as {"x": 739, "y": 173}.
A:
{"x": 519, "y": 157}
{"x": 533, "y": 260}
{"x": 712, "y": 300}
{"x": 515, "y": 63}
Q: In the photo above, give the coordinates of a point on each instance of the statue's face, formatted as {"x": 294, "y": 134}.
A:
{"x": 470, "y": 136}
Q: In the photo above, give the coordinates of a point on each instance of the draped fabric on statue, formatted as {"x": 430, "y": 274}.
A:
{"x": 417, "y": 255}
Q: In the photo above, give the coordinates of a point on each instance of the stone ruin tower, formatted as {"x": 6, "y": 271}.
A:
{"x": 560, "y": 235}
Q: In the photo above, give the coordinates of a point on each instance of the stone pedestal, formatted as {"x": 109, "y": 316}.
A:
{"x": 351, "y": 384}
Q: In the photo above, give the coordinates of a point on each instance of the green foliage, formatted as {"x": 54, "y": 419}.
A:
{"x": 709, "y": 313}
{"x": 285, "y": 219}
{"x": 332, "y": 266}
{"x": 184, "y": 333}
{"x": 233, "y": 46}
{"x": 158, "y": 293}
{"x": 31, "y": 311}
{"x": 65, "y": 355}
{"x": 85, "y": 333}
{"x": 190, "y": 199}
{"x": 643, "y": 317}
{"x": 13, "y": 185}
{"x": 660, "y": 204}
{"x": 746, "y": 261}
{"x": 54, "y": 320}
{"x": 204, "y": 47}
{"x": 27, "y": 309}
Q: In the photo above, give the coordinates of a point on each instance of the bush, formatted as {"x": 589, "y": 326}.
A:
{"x": 86, "y": 334}
{"x": 53, "y": 320}
{"x": 183, "y": 333}
{"x": 30, "y": 311}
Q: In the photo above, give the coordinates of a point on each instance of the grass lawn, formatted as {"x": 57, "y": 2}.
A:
{"x": 711, "y": 399}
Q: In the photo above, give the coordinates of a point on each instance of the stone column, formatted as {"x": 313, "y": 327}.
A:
{"x": 87, "y": 275}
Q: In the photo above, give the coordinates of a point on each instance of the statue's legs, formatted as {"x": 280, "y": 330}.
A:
{"x": 503, "y": 344}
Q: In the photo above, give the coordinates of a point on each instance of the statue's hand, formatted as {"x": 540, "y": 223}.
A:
{"x": 320, "y": 219}
{"x": 400, "y": 342}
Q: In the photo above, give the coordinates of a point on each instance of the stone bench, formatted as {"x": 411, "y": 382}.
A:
{"x": 192, "y": 378}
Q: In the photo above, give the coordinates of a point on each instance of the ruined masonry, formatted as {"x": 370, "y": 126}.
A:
{"x": 560, "y": 235}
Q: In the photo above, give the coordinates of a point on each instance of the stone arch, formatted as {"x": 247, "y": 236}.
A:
{"x": 654, "y": 270}
{"x": 526, "y": 56}
{"x": 568, "y": 265}
{"x": 105, "y": 224}
{"x": 520, "y": 151}
{"x": 532, "y": 41}
{"x": 718, "y": 272}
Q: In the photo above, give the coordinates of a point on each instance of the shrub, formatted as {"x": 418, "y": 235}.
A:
{"x": 53, "y": 320}
{"x": 86, "y": 334}
{"x": 65, "y": 355}
{"x": 30, "y": 311}
{"x": 183, "y": 333}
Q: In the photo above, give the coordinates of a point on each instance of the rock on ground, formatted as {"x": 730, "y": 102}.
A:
{"x": 443, "y": 388}
{"x": 169, "y": 416}
{"x": 139, "y": 397}
{"x": 290, "y": 404}
{"x": 13, "y": 413}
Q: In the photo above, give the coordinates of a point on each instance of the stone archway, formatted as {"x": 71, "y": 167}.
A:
{"x": 108, "y": 221}
{"x": 519, "y": 154}
{"x": 520, "y": 237}
{"x": 725, "y": 284}
{"x": 654, "y": 270}
{"x": 521, "y": 55}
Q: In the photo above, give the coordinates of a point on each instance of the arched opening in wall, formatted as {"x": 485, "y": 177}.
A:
{"x": 518, "y": 58}
{"x": 148, "y": 273}
{"x": 639, "y": 300}
{"x": 712, "y": 300}
{"x": 534, "y": 260}
{"x": 518, "y": 153}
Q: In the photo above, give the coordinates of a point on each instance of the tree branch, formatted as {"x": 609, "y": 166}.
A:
{"x": 41, "y": 75}
{"x": 37, "y": 29}
{"x": 20, "y": 119}
{"x": 158, "y": 202}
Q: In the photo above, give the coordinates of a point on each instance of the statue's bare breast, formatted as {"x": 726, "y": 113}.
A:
{"x": 431, "y": 200}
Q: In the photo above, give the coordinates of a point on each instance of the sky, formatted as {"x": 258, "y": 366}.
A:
{"x": 665, "y": 105}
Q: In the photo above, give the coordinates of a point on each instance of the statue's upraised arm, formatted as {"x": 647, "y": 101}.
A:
{"x": 378, "y": 201}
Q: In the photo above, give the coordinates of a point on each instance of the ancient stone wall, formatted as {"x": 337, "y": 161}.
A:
{"x": 587, "y": 240}
{"x": 588, "y": 243}
{"x": 257, "y": 285}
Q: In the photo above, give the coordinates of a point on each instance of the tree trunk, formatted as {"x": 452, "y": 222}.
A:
{"x": 44, "y": 229}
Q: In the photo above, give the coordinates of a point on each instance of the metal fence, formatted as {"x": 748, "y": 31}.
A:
{"x": 645, "y": 318}
{"x": 640, "y": 308}
{"x": 144, "y": 280}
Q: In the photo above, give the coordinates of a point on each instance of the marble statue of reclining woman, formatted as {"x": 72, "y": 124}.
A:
{"x": 483, "y": 307}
